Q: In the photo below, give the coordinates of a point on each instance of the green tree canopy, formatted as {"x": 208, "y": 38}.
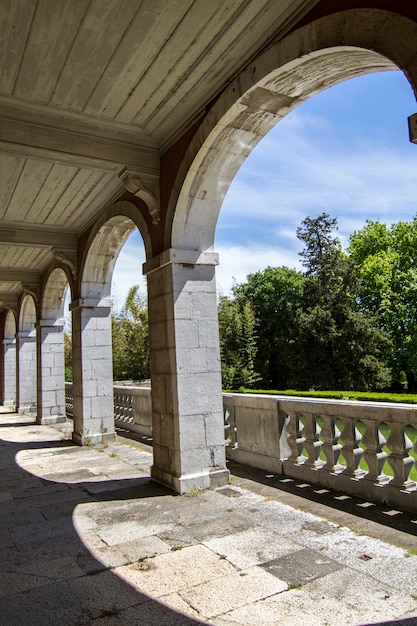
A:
{"x": 237, "y": 343}
{"x": 338, "y": 345}
{"x": 130, "y": 338}
{"x": 386, "y": 258}
{"x": 275, "y": 296}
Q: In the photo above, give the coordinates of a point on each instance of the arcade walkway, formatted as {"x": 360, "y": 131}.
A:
{"x": 86, "y": 538}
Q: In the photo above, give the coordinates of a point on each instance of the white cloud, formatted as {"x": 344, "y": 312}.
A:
{"x": 236, "y": 262}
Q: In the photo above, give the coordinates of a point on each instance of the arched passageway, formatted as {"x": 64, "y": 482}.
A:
{"x": 170, "y": 175}
{"x": 186, "y": 371}
{"x": 91, "y": 325}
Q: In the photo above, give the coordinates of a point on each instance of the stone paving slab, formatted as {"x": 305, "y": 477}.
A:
{"x": 87, "y": 538}
{"x": 335, "y": 599}
{"x": 251, "y": 547}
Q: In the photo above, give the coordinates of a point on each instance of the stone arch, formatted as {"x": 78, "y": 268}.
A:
{"x": 91, "y": 323}
{"x": 27, "y": 361}
{"x": 53, "y": 294}
{"x": 317, "y": 56}
{"x": 9, "y": 360}
{"x": 50, "y": 347}
{"x": 10, "y": 325}
{"x": 27, "y": 315}
{"x": 103, "y": 246}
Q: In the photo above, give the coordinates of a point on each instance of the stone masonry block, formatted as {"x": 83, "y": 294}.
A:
{"x": 183, "y": 306}
{"x": 208, "y": 333}
{"x": 187, "y": 334}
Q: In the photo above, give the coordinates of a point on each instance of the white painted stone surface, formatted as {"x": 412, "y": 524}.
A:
{"x": 51, "y": 372}
{"x": 26, "y": 347}
{"x": 9, "y": 389}
{"x": 185, "y": 364}
{"x": 92, "y": 373}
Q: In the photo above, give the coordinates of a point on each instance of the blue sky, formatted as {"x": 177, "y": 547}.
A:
{"x": 346, "y": 152}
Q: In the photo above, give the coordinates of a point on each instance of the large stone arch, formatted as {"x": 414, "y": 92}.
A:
{"x": 185, "y": 356}
{"x": 317, "y": 56}
{"x": 26, "y": 349}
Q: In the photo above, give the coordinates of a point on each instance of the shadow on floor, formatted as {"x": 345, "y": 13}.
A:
{"x": 378, "y": 520}
{"x": 48, "y": 576}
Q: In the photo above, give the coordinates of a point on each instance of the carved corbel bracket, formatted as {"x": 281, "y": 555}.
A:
{"x": 32, "y": 290}
{"x": 62, "y": 257}
{"x": 147, "y": 191}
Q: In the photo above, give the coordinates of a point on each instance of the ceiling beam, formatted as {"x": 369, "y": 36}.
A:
{"x": 37, "y": 237}
{"x": 69, "y": 138}
{"x": 11, "y": 275}
{"x": 9, "y": 300}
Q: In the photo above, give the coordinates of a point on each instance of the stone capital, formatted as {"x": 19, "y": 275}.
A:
{"x": 180, "y": 257}
{"x": 59, "y": 323}
{"x": 91, "y": 303}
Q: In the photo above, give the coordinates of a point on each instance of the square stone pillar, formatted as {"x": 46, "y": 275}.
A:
{"x": 51, "y": 372}
{"x": 9, "y": 369}
{"x": 187, "y": 408}
{"x": 92, "y": 370}
{"x": 26, "y": 367}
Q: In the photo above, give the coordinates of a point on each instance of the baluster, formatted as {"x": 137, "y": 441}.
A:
{"x": 295, "y": 438}
{"x": 331, "y": 446}
{"x": 374, "y": 455}
{"x": 131, "y": 409}
{"x": 116, "y": 405}
{"x": 399, "y": 459}
{"x": 230, "y": 427}
{"x": 351, "y": 450}
{"x": 312, "y": 442}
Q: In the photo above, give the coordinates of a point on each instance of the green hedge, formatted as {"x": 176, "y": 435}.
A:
{"x": 407, "y": 398}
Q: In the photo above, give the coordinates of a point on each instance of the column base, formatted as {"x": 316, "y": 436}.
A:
{"x": 27, "y": 409}
{"x": 199, "y": 482}
{"x": 51, "y": 419}
{"x": 98, "y": 439}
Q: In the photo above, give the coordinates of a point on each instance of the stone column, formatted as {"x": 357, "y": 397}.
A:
{"x": 26, "y": 359}
{"x": 9, "y": 380}
{"x": 51, "y": 372}
{"x": 92, "y": 372}
{"x": 187, "y": 409}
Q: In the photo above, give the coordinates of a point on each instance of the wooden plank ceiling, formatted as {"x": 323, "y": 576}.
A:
{"x": 90, "y": 87}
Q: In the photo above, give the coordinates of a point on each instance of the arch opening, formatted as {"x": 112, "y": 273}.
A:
{"x": 329, "y": 51}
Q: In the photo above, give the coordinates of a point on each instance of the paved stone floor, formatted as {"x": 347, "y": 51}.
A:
{"x": 86, "y": 538}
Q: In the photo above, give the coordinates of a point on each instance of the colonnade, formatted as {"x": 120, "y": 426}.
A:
{"x": 177, "y": 217}
{"x": 185, "y": 360}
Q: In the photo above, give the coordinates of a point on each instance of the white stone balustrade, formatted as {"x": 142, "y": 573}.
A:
{"x": 339, "y": 445}
{"x": 133, "y": 409}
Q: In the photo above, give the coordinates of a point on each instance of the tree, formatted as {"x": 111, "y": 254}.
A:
{"x": 130, "y": 339}
{"x": 339, "y": 345}
{"x": 68, "y": 356}
{"x": 237, "y": 343}
{"x": 275, "y": 296}
{"x": 386, "y": 258}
